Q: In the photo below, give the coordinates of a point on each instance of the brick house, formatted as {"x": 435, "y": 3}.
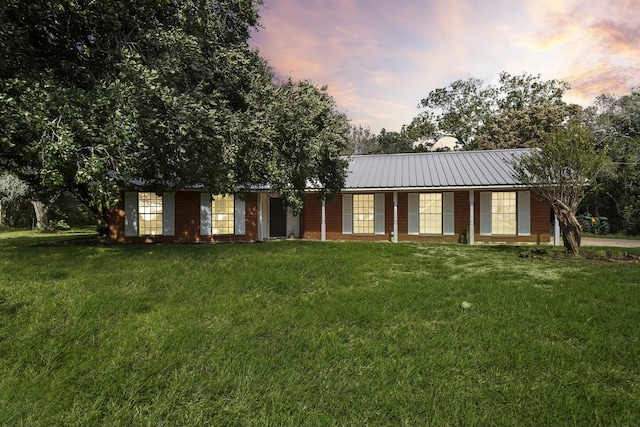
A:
{"x": 463, "y": 196}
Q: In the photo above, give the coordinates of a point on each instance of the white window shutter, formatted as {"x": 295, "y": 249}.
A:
{"x": 205, "y": 214}
{"x": 168, "y": 214}
{"x": 347, "y": 214}
{"x": 414, "y": 213}
{"x": 379, "y": 210}
{"x": 447, "y": 214}
{"x": 524, "y": 213}
{"x": 130, "y": 213}
{"x": 239, "y": 216}
{"x": 485, "y": 213}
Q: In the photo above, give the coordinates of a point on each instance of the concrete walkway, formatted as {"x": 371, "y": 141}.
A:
{"x": 613, "y": 243}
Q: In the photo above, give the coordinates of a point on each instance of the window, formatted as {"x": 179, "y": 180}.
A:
{"x": 222, "y": 219}
{"x": 222, "y": 214}
{"x": 150, "y": 214}
{"x": 363, "y": 214}
{"x": 504, "y": 213}
{"x": 430, "y": 213}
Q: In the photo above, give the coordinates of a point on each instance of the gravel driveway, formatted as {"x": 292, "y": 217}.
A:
{"x": 614, "y": 243}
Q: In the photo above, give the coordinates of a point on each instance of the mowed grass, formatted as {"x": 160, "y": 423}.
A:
{"x": 313, "y": 333}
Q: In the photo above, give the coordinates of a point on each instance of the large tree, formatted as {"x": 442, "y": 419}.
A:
{"x": 360, "y": 141}
{"x": 526, "y": 127}
{"x": 517, "y": 112}
{"x": 560, "y": 173}
{"x": 421, "y": 128}
{"x": 389, "y": 142}
{"x": 306, "y": 138}
{"x": 94, "y": 94}
{"x": 461, "y": 108}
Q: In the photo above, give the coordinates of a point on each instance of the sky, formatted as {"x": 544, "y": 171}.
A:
{"x": 379, "y": 58}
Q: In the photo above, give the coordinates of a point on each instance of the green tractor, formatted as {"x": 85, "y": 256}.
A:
{"x": 594, "y": 223}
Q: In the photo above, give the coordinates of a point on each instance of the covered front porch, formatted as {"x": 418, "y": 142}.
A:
{"x": 274, "y": 220}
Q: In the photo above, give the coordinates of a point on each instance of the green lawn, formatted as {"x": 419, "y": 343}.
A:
{"x": 313, "y": 333}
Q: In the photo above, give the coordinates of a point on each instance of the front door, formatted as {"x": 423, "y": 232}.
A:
{"x": 277, "y": 218}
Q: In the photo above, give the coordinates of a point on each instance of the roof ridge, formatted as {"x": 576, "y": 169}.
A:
{"x": 438, "y": 152}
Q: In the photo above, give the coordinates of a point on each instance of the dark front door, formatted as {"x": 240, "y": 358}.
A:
{"x": 277, "y": 218}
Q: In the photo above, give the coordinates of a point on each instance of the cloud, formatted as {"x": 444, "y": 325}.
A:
{"x": 379, "y": 58}
{"x": 617, "y": 38}
{"x": 601, "y": 77}
{"x": 594, "y": 45}
{"x": 612, "y": 50}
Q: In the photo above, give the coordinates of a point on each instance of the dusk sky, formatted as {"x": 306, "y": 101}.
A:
{"x": 379, "y": 58}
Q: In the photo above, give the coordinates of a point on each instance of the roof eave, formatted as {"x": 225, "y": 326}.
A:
{"x": 446, "y": 188}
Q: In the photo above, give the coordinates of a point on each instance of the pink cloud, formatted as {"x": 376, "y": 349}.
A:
{"x": 602, "y": 45}
{"x": 587, "y": 83}
{"x": 379, "y": 58}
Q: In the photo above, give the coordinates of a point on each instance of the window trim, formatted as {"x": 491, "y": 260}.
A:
{"x": 370, "y": 222}
{"x": 522, "y": 208}
{"x": 447, "y": 214}
{"x": 440, "y": 215}
{"x": 513, "y": 213}
{"x": 379, "y": 214}
{"x": 230, "y": 223}
{"x": 158, "y": 225}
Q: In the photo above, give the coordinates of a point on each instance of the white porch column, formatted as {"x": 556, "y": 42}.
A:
{"x": 323, "y": 227}
{"x": 472, "y": 227}
{"x": 395, "y": 217}
{"x": 260, "y": 227}
{"x": 556, "y": 231}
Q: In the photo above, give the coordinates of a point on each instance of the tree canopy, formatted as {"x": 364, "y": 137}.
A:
{"x": 360, "y": 141}
{"x": 615, "y": 121}
{"x": 94, "y": 94}
{"x": 306, "y": 139}
{"x": 476, "y": 114}
{"x": 527, "y": 127}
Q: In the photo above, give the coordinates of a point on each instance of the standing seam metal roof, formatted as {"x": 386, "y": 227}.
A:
{"x": 491, "y": 168}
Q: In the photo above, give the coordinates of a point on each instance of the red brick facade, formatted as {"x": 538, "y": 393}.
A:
{"x": 540, "y": 222}
{"x": 187, "y": 221}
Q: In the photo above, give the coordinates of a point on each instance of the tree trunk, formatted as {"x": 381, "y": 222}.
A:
{"x": 619, "y": 211}
{"x": 103, "y": 227}
{"x": 42, "y": 214}
{"x": 101, "y": 214}
{"x": 99, "y": 209}
{"x": 570, "y": 228}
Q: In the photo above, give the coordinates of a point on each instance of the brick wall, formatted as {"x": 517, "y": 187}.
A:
{"x": 311, "y": 218}
{"x": 116, "y": 221}
{"x": 540, "y": 220}
{"x": 187, "y": 222}
{"x": 540, "y": 224}
{"x": 187, "y": 215}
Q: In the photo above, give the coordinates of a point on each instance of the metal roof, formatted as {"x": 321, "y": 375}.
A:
{"x": 439, "y": 170}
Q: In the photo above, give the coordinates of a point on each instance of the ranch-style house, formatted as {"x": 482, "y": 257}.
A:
{"x": 461, "y": 196}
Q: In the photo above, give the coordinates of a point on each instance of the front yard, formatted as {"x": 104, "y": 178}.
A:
{"x": 314, "y": 333}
